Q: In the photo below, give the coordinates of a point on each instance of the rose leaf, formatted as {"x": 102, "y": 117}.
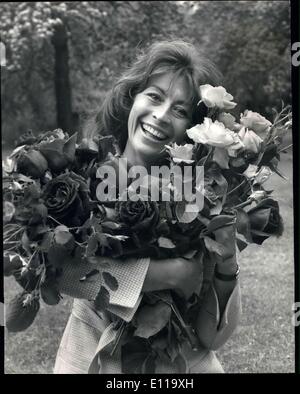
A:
{"x": 64, "y": 238}
{"x": 46, "y": 242}
{"x": 57, "y": 254}
{"x": 134, "y": 355}
{"x": 148, "y": 365}
{"x": 110, "y": 280}
{"x": 102, "y": 299}
{"x": 241, "y": 242}
{"x": 70, "y": 147}
{"x": 166, "y": 243}
{"x": 111, "y": 225}
{"x": 151, "y": 319}
{"x": 219, "y": 221}
{"x": 92, "y": 245}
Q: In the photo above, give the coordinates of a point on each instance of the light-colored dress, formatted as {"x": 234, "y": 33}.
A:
{"x": 89, "y": 335}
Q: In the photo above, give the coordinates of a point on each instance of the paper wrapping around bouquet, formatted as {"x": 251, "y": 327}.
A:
{"x": 129, "y": 273}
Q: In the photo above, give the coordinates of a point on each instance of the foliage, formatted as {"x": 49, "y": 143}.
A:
{"x": 249, "y": 41}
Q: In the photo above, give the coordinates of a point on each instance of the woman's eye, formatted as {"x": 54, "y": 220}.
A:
{"x": 154, "y": 96}
{"x": 181, "y": 112}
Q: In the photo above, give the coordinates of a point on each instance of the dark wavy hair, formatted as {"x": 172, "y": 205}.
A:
{"x": 176, "y": 56}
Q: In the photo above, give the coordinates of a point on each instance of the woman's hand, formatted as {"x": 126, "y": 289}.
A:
{"x": 226, "y": 236}
{"x": 179, "y": 274}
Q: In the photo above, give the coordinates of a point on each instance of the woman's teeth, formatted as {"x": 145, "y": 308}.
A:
{"x": 155, "y": 133}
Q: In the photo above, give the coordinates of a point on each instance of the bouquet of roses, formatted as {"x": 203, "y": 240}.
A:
{"x": 60, "y": 204}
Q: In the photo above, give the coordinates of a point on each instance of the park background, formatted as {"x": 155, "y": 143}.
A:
{"x": 62, "y": 58}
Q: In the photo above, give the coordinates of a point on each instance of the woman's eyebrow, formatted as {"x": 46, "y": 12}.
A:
{"x": 165, "y": 93}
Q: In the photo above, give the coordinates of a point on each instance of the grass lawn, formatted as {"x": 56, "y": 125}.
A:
{"x": 264, "y": 340}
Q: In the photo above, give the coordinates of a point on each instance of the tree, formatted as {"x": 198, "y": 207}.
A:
{"x": 53, "y": 47}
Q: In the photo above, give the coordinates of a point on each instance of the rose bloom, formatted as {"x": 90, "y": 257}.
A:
{"x": 140, "y": 216}
{"x": 251, "y": 171}
{"x": 265, "y": 220}
{"x": 227, "y": 119}
{"x": 181, "y": 153}
{"x": 216, "y": 97}
{"x": 251, "y": 140}
{"x": 263, "y": 175}
{"x": 255, "y": 121}
{"x": 214, "y": 134}
{"x": 67, "y": 199}
{"x": 258, "y": 195}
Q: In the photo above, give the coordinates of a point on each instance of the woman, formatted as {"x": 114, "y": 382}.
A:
{"x": 152, "y": 105}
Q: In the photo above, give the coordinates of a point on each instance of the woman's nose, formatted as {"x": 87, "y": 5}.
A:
{"x": 161, "y": 113}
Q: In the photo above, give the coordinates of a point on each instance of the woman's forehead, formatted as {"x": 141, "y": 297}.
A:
{"x": 172, "y": 84}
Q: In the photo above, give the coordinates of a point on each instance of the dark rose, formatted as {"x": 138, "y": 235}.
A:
{"x": 67, "y": 199}
{"x": 138, "y": 215}
{"x": 265, "y": 220}
{"x": 59, "y": 153}
{"x": 32, "y": 163}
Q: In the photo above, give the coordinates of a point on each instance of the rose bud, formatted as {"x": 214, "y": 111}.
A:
{"x": 32, "y": 163}
{"x": 49, "y": 292}
{"x": 265, "y": 220}
{"x": 59, "y": 153}
{"x": 256, "y": 122}
{"x": 53, "y": 151}
{"x": 21, "y": 312}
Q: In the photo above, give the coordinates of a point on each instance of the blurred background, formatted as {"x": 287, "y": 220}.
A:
{"x": 62, "y": 58}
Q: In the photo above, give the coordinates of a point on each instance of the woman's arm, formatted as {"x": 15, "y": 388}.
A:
{"x": 180, "y": 274}
{"x": 220, "y": 311}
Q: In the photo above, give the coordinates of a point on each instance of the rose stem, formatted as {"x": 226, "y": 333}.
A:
{"x": 237, "y": 187}
{"x": 56, "y": 221}
{"x": 244, "y": 204}
{"x": 22, "y": 228}
{"x": 70, "y": 228}
{"x": 285, "y": 148}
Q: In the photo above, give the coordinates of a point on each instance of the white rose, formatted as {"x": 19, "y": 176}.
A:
{"x": 251, "y": 171}
{"x": 181, "y": 153}
{"x": 251, "y": 141}
{"x": 258, "y": 195}
{"x": 214, "y": 134}
{"x": 263, "y": 175}
{"x": 216, "y": 97}
{"x": 227, "y": 119}
{"x": 255, "y": 121}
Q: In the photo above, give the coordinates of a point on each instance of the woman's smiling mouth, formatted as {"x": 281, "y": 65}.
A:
{"x": 155, "y": 134}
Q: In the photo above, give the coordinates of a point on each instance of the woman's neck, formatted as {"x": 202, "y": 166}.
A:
{"x": 134, "y": 158}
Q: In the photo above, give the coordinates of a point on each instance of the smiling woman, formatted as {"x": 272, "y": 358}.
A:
{"x": 160, "y": 115}
{"x": 165, "y": 63}
{"x": 152, "y": 105}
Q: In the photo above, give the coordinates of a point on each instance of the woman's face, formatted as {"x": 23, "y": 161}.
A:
{"x": 159, "y": 116}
